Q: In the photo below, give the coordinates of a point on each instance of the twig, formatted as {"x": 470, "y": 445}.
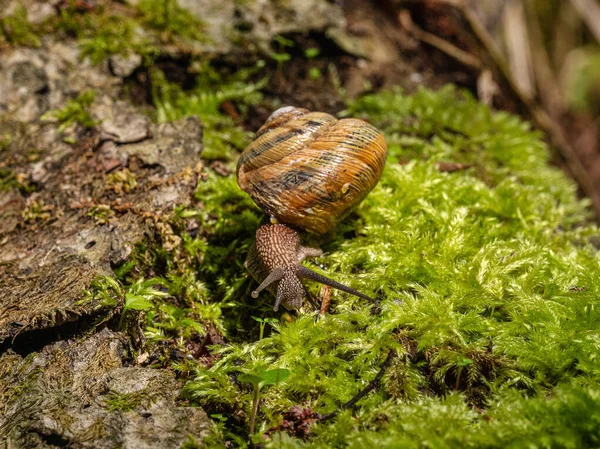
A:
{"x": 589, "y": 10}
{"x": 486, "y": 87}
{"x": 325, "y": 299}
{"x": 493, "y": 18}
{"x": 361, "y": 394}
{"x": 517, "y": 44}
{"x": 437, "y": 42}
{"x": 548, "y": 87}
{"x": 255, "y": 402}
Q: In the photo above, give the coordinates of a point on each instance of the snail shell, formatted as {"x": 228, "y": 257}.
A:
{"x": 309, "y": 169}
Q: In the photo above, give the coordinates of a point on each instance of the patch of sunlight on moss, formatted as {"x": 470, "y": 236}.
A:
{"x": 491, "y": 264}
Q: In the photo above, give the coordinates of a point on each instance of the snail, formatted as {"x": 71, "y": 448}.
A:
{"x": 305, "y": 170}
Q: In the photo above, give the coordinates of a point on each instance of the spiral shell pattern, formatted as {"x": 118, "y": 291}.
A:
{"x": 309, "y": 169}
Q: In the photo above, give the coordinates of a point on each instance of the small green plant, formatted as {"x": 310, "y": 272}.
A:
{"x": 461, "y": 363}
{"x": 263, "y": 322}
{"x": 310, "y": 54}
{"x": 107, "y": 290}
{"x": 258, "y": 380}
{"x": 140, "y": 296}
{"x": 17, "y": 30}
{"x": 74, "y": 112}
{"x": 281, "y": 59}
{"x": 281, "y": 56}
{"x": 314, "y": 73}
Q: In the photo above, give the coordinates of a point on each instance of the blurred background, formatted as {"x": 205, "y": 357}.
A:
{"x": 536, "y": 58}
{"x": 551, "y": 48}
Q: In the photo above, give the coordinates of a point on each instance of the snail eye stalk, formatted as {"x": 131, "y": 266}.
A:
{"x": 273, "y": 276}
{"x": 310, "y": 274}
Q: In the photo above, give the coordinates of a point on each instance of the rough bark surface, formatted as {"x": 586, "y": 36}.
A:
{"x": 79, "y": 394}
{"x": 85, "y": 207}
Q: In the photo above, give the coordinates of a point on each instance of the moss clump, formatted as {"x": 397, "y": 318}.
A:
{"x": 487, "y": 280}
{"x": 102, "y": 213}
{"x": 121, "y": 181}
{"x": 113, "y": 35}
{"x": 11, "y": 180}
{"x": 74, "y": 112}
{"x": 126, "y": 402}
{"x": 140, "y": 29}
{"x": 170, "y": 20}
{"x": 102, "y": 34}
{"x": 17, "y": 30}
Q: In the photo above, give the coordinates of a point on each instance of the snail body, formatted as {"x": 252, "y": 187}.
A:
{"x": 275, "y": 260}
{"x": 307, "y": 170}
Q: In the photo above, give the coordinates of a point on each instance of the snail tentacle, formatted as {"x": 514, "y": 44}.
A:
{"x": 273, "y": 276}
{"x": 313, "y": 275}
{"x": 280, "y": 296}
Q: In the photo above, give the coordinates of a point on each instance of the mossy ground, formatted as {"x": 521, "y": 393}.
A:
{"x": 487, "y": 279}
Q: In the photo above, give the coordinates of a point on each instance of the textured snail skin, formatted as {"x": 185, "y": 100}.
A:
{"x": 309, "y": 169}
{"x": 275, "y": 261}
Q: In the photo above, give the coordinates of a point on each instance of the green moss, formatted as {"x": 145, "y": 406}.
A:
{"x": 121, "y": 181}
{"x": 569, "y": 419}
{"x": 127, "y": 402}
{"x": 115, "y": 35}
{"x": 101, "y": 34}
{"x": 74, "y": 112}
{"x": 17, "y": 30}
{"x": 102, "y": 213}
{"x": 487, "y": 280}
{"x": 37, "y": 211}
{"x": 171, "y": 20}
{"x": 488, "y": 284}
{"x": 191, "y": 443}
{"x": 10, "y": 180}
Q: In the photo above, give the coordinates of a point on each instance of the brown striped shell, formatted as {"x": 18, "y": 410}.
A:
{"x": 309, "y": 169}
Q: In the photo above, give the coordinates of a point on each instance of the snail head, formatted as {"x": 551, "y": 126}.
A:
{"x": 275, "y": 262}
